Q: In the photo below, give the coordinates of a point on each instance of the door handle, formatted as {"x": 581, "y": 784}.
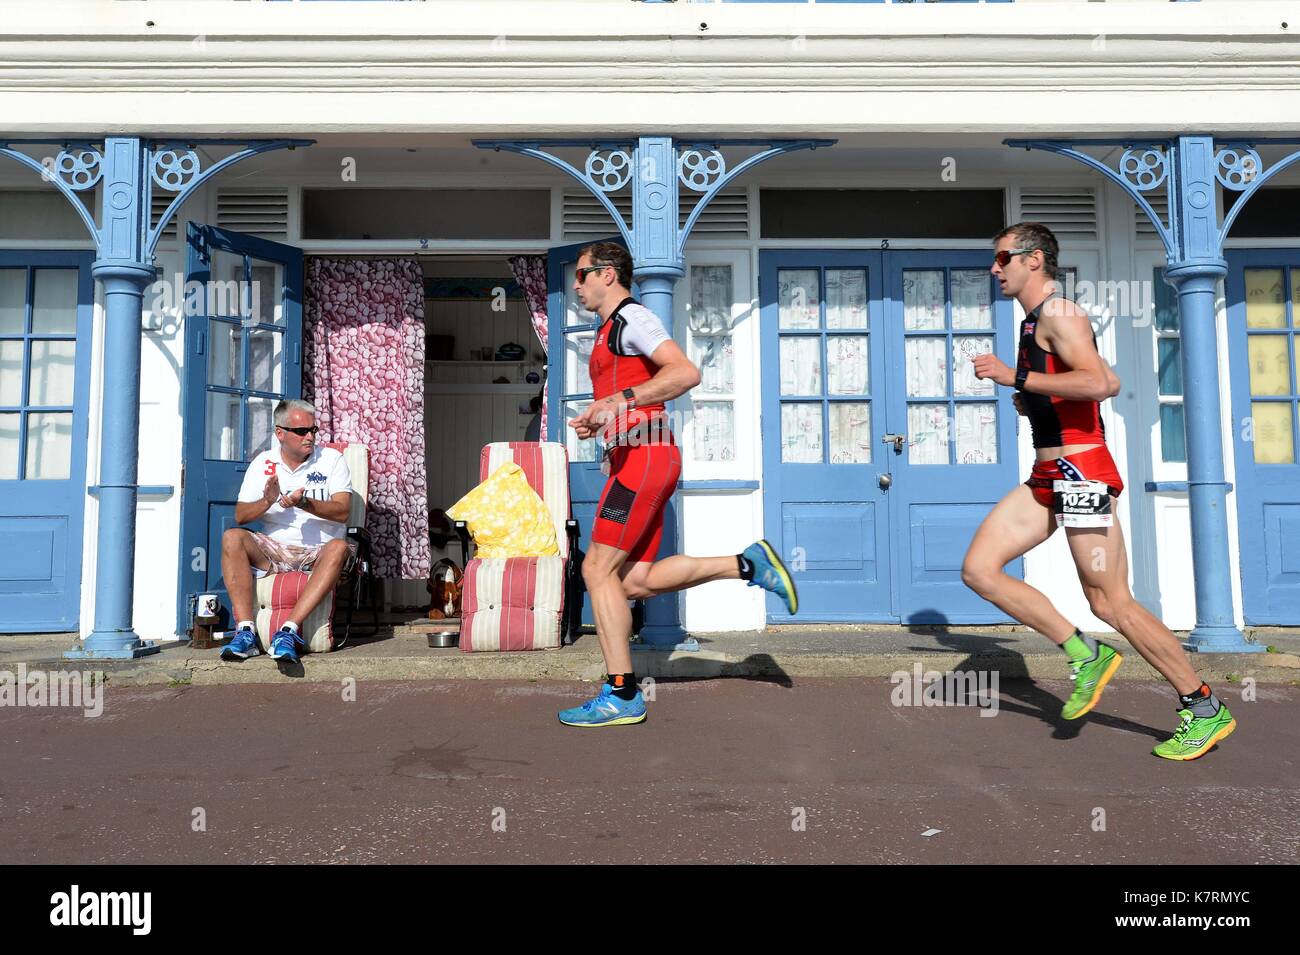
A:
{"x": 897, "y": 440}
{"x": 885, "y": 480}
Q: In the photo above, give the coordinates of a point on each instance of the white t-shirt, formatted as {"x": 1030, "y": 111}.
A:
{"x": 324, "y": 474}
{"x": 639, "y": 333}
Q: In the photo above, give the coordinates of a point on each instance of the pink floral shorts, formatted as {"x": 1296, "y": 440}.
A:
{"x": 287, "y": 558}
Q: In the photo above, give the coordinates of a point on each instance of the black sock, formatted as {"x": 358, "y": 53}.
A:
{"x": 746, "y": 568}
{"x": 624, "y": 685}
{"x": 1202, "y": 703}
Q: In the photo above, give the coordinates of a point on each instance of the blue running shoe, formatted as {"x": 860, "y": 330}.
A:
{"x": 285, "y": 645}
{"x": 770, "y": 574}
{"x": 606, "y": 710}
{"x": 241, "y": 646}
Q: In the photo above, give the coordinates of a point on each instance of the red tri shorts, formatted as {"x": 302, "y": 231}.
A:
{"x": 630, "y": 515}
{"x": 1095, "y": 464}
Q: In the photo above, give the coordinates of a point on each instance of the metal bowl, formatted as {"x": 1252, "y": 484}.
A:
{"x": 441, "y": 639}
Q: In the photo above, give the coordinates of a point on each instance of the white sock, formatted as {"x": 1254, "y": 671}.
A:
{"x": 245, "y": 625}
{"x": 290, "y": 625}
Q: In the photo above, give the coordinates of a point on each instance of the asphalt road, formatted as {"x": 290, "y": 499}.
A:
{"x": 723, "y": 771}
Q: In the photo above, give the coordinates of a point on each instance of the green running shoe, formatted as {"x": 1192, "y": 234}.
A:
{"x": 1090, "y": 678}
{"x": 1196, "y": 735}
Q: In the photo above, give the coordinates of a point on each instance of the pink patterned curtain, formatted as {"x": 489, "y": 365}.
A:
{"x": 363, "y": 369}
{"x": 530, "y": 273}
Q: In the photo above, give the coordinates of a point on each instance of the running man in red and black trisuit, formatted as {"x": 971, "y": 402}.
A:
{"x": 1060, "y": 378}
{"x": 635, "y": 369}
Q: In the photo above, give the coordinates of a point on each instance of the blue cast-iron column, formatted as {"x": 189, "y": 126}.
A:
{"x": 1189, "y": 168}
{"x": 657, "y": 167}
{"x": 125, "y": 242}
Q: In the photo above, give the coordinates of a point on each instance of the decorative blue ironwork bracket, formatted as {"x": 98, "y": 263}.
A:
{"x": 657, "y": 168}
{"x": 1191, "y": 168}
{"x": 125, "y": 240}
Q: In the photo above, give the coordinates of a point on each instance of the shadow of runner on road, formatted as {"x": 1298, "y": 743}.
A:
{"x": 991, "y": 652}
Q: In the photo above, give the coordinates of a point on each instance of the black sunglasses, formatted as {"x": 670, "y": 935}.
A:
{"x": 300, "y": 432}
{"x": 583, "y": 273}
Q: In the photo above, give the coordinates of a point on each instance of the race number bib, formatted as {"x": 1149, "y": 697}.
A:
{"x": 1082, "y": 504}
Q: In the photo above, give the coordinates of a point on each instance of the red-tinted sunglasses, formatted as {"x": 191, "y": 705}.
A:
{"x": 1003, "y": 258}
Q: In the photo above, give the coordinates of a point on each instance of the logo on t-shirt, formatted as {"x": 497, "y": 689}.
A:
{"x": 315, "y": 477}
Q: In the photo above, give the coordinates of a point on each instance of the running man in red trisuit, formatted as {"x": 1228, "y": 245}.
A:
{"x": 1060, "y": 379}
{"x": 636, "y": 368}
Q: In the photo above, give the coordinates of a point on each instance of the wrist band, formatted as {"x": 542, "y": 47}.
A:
{"x": 1021, "y": 375}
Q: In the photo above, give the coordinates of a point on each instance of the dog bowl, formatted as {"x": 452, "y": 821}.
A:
{"x": 441, "y": 639}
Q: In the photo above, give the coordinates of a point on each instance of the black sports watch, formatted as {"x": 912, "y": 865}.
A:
{"x": 1022, "y": 374}
{"x": 630, "y": 396}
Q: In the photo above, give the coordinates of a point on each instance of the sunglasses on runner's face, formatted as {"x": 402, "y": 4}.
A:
{"x": 1003, "y": 258}
{"x": 582, "y": 273}
{"x": 300, "y": 432}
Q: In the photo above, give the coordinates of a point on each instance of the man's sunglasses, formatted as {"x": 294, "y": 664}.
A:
{"x": 300, "y": 432}
{"x": 1003, "y": 258}
{"x": 582, "y": 273}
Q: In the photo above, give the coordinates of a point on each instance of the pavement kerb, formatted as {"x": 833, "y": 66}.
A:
{"x": 180, "y": 665}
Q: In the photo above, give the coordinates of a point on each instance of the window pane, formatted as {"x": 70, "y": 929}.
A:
{"x": 1265, "y": 299}
{"x": 850, "y": 433}
{"x": 927, "y": 367}
{"x": 927, "y": 434}
{"x": 265, "y": 361}
{"x": 1166, "y": 302}
{"x": 54, "y": 366}
{"x": 579, "y": 450}
{"x": 1169, "y": 369}
{"x": 1270, "y": 364}
{"x": 225, "y": 358}
{"x": 846, "y": 298}
{"x": 223, "y": 427}
{"x": 1173, "y": 439}
{"x": 261, "y": 426}
{"x": 798, "y": 298}
{"x": 711, "y": 298}
{"x": 11, "y": 373}
{"x": 964, "y": 350}
{"x": 715, "y": 356}
{"x": 972, "y": 299}
{"x": 9, "y": 425}
{"x": 923, "y": 299}
{"x": 801, "y": 433}
{"x": 1273, "y": 436}
{"x": 226, "y": 286}
{"x": 49, "y": 446}
{"x": 54, "y": 304}
{"x": 13, "y": 301}
{"x": 577, "y": 358}
{"x": 267, "y": 295}
{"x": 714, "y": 431}
{"x": 801, "y": 366}
{"x": 848, "y": 365}
{"x": 977, "y": 433}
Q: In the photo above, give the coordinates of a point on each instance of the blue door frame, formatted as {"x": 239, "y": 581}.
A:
{"x": 1268, "y": 493}
{"x": 42, "y": 520}
{"x": 867, "y": 553}
{"x": 211, "y": 481}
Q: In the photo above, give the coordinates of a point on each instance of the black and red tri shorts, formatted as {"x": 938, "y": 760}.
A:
{"x": 1095, "y": 464}
{"x": 642, "y": 478}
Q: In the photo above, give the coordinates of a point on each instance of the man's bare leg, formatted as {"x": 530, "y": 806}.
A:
{"x": 324, "y": 576}
{"x": 1102, "y": 561}
{"x": 1015, "y": 526}
{"x": 679, "y": 572}
{"x": 600, "y": 572}
{"x": 239, "y": 555}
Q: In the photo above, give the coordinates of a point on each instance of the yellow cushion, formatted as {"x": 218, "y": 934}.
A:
{"x": 506, "y": 517}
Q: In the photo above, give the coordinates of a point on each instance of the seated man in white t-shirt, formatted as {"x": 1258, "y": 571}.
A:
{"x": 302, "y": 495}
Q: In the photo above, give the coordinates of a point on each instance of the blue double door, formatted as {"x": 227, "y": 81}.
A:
{"x": 882, "y": 452}
{"x": 243, "y": 354}
{"x": 1263, "y": 301}
{"x": 46, "y": 308}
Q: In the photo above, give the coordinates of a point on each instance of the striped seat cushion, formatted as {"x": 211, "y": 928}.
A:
{"x": 546, "y": 466}
{"x": 512, "y": 604}
{"x": 276, "y": 595}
